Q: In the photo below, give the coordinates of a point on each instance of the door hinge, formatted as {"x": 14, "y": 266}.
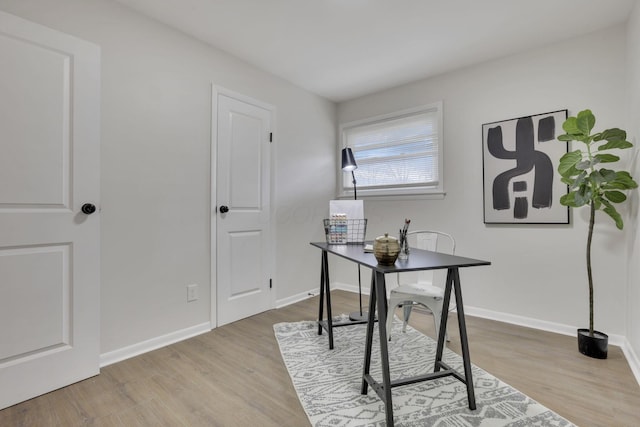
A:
{"x": 270, "y": 136}
{"x": 270, "y": 283}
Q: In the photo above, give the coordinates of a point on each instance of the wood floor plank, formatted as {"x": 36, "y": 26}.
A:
{"x": 235, "y": 376}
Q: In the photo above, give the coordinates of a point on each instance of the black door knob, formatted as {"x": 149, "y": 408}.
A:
{"x": 88, "y": 208}
{"x": 224, "y": 209}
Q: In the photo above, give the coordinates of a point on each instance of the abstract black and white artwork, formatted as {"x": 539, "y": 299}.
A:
{"x": 520, "y": 161}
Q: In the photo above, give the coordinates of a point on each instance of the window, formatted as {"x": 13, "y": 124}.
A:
{"x": 399, "y": 153}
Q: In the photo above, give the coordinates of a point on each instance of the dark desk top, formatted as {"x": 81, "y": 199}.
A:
{"x": 419, "y": 259}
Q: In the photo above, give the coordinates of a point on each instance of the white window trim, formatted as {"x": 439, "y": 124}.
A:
{"x": 426, "y": 192}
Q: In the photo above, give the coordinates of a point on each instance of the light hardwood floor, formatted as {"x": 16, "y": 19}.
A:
{"x": 234, "y": 376}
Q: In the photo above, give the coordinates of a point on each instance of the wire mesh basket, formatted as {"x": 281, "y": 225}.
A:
{"x": 342, "y": 231}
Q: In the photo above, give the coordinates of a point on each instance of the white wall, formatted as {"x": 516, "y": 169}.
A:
{"x": 156, "y": 107}
{"x": 633, "y": 127}
{"x": 537, "y": 271}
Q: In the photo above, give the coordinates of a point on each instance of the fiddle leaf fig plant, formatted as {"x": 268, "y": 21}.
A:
{"x": 590, "y": 182}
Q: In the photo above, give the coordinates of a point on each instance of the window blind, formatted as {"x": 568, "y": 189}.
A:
{"x": 396, "y": 152}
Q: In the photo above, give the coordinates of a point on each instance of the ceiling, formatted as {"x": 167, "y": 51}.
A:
{"x": 342, "y": 49}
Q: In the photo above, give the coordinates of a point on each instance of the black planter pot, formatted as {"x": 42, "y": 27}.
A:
{"x": 595, "y": 346}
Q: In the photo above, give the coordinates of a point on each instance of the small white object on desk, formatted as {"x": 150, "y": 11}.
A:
{"x": 368, "y": 248}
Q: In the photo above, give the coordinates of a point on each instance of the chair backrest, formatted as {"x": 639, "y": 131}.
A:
{"x": 431, "y": 240}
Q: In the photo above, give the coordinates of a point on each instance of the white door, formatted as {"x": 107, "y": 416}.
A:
{"x": 242, "y": 226}
{"x": 49, "y": 249}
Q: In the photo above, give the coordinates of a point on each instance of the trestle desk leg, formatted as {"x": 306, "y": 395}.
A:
{"x": 381, "y": 295}
{"x": 443, "y": 319}
{"x": 463, "y": 340}
{"x": 321, "y": 305}
{"x": 327, "y": 293}
{"x": 369, "y": 336}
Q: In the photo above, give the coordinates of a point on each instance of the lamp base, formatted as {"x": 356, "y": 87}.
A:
{"x": 357, "y": 317}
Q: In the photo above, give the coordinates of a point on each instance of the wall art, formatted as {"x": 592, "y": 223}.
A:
{"x": 520, "y": 160}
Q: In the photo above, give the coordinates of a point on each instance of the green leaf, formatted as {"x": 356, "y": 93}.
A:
{"x": 606, "y": 158}
{"x": 577, "y": 181}
{"x": 613, "y": 213}
{"x": 585, "y": 121}
{"x": 584, "y": 165}
{"x": 614, "y": 185}
{"x": 615, "y": 196}
{"x": 569, "y": 199}
{"x": 622, "y": 144}
{"x": 584, "y": 138}
{"x": 597, "y": 203}
{"x": 568, "y": 163}
{"x": 602, "y": 176}
{"x": 613, "y": 134}
{"x": 575, "y": 137}
{"x": 619, "y": 180}
{"x": 582, "y": 195}
{"x": 570, "y": 126}
{"x": 573, "y": 199}
{"x": 599, "y": 176}
{"x": 624, "y": 178}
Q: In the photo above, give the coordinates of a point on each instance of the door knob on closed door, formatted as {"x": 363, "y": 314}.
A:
{"x": 88, "y": 208}
{"x": 223, "y": 209}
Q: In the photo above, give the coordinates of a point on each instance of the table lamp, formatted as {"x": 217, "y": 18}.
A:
{"x": 349, "y": 165}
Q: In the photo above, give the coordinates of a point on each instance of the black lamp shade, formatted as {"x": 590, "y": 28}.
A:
{"x": 348, "y": 161}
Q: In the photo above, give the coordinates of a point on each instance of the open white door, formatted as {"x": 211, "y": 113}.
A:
{"x": 243, "y": 243}
{"x": 49, "y": 248}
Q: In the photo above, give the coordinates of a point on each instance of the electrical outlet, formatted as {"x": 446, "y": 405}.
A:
{"x": 192, "y": 292}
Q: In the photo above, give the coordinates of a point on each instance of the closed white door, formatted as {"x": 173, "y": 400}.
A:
{"x": 242, "y": 207}
{"x": 49, "y": 248}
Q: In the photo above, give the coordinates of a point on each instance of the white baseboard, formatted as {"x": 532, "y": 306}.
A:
{"x": 296, "y": 298}
{"x": 618, "y": 340}
{"x": 350, "y": 288}
{"x": 121, "y": 354}
{"x": 632, "y": 359}
{"x": 528, "y": 322}
{"x": 315, "y": 291}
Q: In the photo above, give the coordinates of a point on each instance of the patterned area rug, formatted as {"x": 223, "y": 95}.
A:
{"x": 328, "y": 383}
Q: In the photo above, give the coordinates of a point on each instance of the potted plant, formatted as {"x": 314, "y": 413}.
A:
{"x": 594, "y": 185}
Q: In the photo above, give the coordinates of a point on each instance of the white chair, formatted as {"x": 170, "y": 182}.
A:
{"x": 424, "y": 290}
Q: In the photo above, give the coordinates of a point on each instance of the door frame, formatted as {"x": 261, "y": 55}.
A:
{"x": 216, "y": 91}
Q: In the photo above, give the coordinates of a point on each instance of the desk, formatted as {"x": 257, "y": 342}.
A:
{"x": 418, "y": 260}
